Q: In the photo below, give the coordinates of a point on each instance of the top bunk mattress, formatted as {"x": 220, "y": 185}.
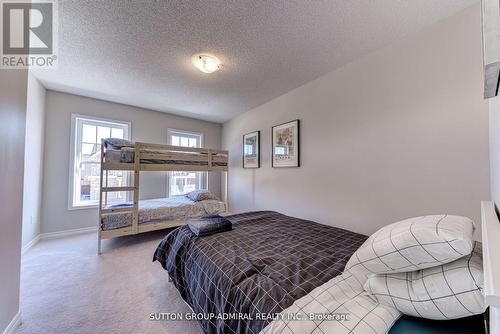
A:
{"x": 162, "y": 209}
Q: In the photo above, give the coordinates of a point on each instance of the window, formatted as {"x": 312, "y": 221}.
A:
{"x": 180, "y": 183}
{"x": 85, "y": 166}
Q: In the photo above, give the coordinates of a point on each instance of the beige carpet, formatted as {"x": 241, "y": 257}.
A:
{"x": 67, "y": 288}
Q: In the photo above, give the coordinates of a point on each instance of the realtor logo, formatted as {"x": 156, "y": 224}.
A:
{"x": 28, "y": 34}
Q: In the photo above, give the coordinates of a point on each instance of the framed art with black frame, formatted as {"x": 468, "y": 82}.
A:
{"x": 286, "y": 144}
{"x": 251, "y": 150}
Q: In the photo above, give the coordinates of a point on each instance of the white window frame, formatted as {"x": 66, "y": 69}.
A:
{"x": 75, "y": 146}
{"x": 170, "y": 133}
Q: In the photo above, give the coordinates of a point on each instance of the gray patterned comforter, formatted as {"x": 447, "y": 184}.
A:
{"x": 265, "y": 263}
{"x": 163, "y": 209}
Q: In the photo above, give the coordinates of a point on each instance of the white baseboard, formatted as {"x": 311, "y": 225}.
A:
{"x": 12, "y": 327}
{"x": 30, "y": 244}
{"x": 67, "y": 233}
{"x": 56, "y": 235}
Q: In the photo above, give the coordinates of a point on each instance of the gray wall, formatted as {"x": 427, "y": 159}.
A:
{"x": 400, "y": 132}
{"x": 13, "y": 87}
{"x": 33, "y": 159}
{"x": 147, "y": 126}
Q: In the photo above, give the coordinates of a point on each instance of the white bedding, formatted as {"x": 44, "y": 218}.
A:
{"x": 163, "y": 209}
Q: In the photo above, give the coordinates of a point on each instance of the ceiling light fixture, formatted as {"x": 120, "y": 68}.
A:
{"x": 206, "y": 63}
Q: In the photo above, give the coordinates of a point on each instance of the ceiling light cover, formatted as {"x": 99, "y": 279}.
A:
{"x": 206, "y": 63}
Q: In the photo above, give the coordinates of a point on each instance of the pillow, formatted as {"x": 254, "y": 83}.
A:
{"x": 117, "y": 143}
{"x": 209, "y": 225}
{"x": 413, "y": 244}
{"x": 449, "y": 291}
{"x": 200, "y": 195}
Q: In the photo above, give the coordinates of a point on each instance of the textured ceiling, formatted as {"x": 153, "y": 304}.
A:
{"x": 139, "y": 52}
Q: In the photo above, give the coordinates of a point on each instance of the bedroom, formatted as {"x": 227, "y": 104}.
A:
{"x": 378, "y": 108}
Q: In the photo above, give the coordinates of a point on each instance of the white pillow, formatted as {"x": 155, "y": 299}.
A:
{"x": 413, "y": 244}
{"x": 450, "y": 291}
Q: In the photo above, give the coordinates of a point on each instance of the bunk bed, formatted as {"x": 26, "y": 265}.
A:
{"x": 143, "y": 216}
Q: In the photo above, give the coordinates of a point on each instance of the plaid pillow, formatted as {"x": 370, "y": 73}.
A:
{"x": 209, "y": 225}
{"x": 449, "y": 291}
{"x": 200, "y": 195}
{"x": 413, "y": 244}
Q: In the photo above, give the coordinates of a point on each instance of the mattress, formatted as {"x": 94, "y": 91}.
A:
{"x": 127, "y": 155}
{"x": 265, "y": 263}
{"x": 162, "y": 209}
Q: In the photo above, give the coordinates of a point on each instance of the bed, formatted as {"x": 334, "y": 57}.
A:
{"x": 145, "y": 216}
{"x": 262, "y": 266}
{"x": 162, "y": 209}
{"x": 268, "y": 262}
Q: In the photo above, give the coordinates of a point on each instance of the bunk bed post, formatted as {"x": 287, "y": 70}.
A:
{"x": 99, "y": 227}
{"x": 106, "y": 185}
{"x": 137, "y": 168}
{"x": 207, "y": 184}
{"x": 226, "y": 197}
{"x": 209, "y": 167}
{"x": 209, "y": 164}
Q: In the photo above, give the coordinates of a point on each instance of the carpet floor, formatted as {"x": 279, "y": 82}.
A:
{"x": 67, "y": 288}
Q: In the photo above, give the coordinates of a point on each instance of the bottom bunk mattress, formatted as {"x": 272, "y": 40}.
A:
{"x": 162, "y": 209}
{"x": 239, "y": 278}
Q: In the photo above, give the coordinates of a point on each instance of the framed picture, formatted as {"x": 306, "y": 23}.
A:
{"x": 285, "y": 144}
{"x": 251, "y": 150}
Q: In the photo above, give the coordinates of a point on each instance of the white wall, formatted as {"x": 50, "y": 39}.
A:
{"x": 400, "y": 132}
{"x": 494, "y": 105}
{"x": 147, "y": 126}
{"x": 33, "y": 159}
{"x": 13, "y": 87}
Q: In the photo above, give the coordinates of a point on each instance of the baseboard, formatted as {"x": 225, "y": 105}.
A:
{"x": 67, "y": 233}
{"x": 55, "y": 235}
{"x": 12, "y": 327}
{"x": 30, "y": 244}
